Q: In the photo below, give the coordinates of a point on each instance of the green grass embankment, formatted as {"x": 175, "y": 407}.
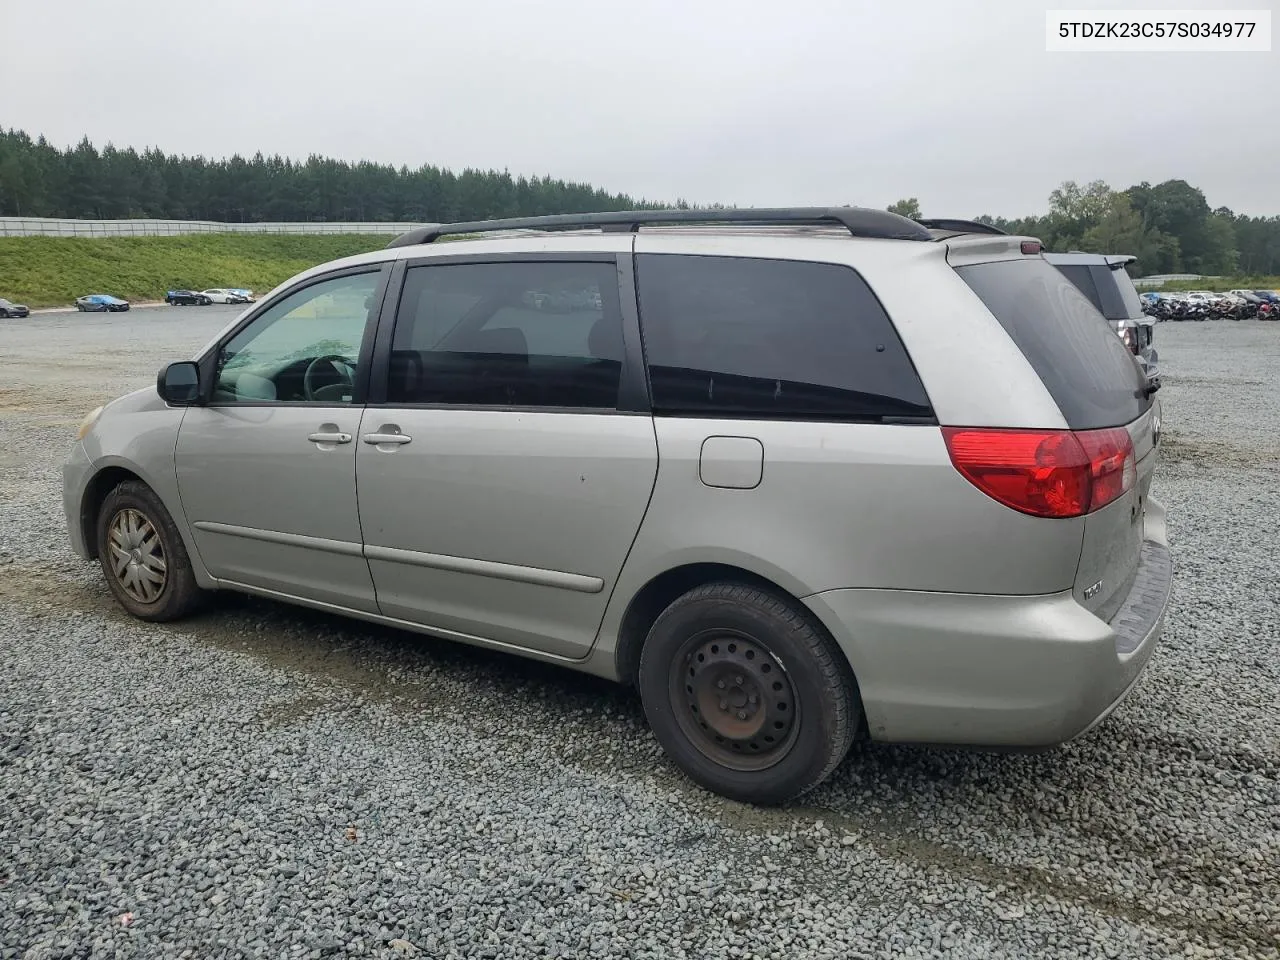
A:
{"x": 53, "y": 271}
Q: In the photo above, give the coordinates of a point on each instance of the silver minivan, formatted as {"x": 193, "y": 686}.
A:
{"x": 799, "y": 475}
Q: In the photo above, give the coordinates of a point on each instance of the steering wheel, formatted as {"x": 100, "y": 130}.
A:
{"x": 329, "y": 391}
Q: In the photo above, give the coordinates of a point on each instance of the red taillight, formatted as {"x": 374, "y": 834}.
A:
{"x": 1046, "y": 473}
{"x": 1030, "y": 246}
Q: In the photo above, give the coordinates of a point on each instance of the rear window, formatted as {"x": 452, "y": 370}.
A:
{"x": 1130, "y": 303}
{"x": 1081, "y": 274}
{"x": 1110, "y": 289}
{"x": 1091, "y": 376}
{"x": 771, "y": 339}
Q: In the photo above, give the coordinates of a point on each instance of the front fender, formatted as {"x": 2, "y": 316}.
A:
{"x": 138, "y": 433}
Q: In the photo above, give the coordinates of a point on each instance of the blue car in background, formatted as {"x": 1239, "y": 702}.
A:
{"x": 101, "y": 303}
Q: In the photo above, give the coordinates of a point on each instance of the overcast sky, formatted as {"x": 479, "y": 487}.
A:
{"x": 744, "y": 102}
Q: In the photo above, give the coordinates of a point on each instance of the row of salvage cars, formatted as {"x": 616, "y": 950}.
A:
{"x": 106, "y": 303}
{"x": 203, "y": 298}
{"x": 1206, "y": 305}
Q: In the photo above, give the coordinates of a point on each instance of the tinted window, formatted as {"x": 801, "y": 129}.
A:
{"x": 1129, "y": 303}
{"x": 303, "y": 348}
{"x": 737, "y": 337}
{"x": 1083, "y": 364}
{"x": 541, "y": 334}
{"x": 1082, "y": 276}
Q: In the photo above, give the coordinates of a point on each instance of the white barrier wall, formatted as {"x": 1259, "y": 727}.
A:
{"x": 46, "y": 226}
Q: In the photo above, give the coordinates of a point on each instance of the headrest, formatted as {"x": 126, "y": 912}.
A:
{"x": 604, "y": 342}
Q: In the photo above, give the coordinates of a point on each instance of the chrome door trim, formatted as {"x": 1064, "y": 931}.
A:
{"x": 341, "y": 547}
{"x": 577, "y": 582}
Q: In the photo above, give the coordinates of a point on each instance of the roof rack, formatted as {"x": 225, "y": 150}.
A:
{"x": 859, "y": 221}
{"x": 960, "y": 226}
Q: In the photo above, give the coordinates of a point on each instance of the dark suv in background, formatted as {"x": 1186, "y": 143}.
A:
{"x": 1103, "y": 279}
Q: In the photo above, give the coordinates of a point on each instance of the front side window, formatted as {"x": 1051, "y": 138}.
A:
{"x": 538, "y": 334}
{"x": 303, "y": 349}
{"x": 771, "y": 339}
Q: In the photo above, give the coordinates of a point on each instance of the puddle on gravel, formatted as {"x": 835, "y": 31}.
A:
{"x": 1177, "y": 447}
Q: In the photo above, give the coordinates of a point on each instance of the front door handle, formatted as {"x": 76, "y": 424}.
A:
{"x": 377, "y": 438}
{"x": 326, "y": 436}
{"x": 388, "y": 433}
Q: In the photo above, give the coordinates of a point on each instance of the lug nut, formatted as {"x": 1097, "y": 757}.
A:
{"x": 742, "y": 714}
{"x": 738, "y": 680}
{"x": 720, "y": 684}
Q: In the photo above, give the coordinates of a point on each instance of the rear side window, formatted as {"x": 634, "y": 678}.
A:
{"x": 771, "y": 339}
{"x": 1091, "y": 376}
{"x": 538, "y": 334}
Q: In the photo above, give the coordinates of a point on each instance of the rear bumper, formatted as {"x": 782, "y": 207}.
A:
{"x": 997, "y": 671}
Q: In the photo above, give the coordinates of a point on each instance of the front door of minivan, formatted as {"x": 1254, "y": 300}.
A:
{"x": 266, "y": 468}
{"x": 501, "y": 477}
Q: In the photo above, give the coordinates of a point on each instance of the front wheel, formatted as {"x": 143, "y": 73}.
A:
{"x": 143, "y": 556}
{"x": 747, "y": 694}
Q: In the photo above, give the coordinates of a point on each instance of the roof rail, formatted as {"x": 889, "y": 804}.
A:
{"x": 859, "y": 221}
{"x": 960, "y": 226}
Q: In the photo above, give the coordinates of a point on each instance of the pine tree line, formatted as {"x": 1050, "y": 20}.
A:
{"x": 39, "y": 180}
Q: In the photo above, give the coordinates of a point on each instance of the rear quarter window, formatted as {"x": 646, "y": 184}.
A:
{"x": 771, "y": 339}
{"x": 1085, "y": 367}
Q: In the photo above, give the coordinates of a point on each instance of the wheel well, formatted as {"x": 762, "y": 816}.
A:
{"x": 656, "y": 595}
{"x": 102, "y": 484}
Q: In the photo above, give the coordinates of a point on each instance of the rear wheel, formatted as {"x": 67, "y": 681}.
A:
{"x": 746, "y": 693}
{"x": 143, "y": 556}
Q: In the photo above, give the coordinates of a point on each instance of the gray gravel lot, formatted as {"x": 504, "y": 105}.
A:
{"x": 263, "y": 781}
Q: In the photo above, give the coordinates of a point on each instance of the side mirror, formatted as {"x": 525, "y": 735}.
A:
{"x": 179, "y": 383}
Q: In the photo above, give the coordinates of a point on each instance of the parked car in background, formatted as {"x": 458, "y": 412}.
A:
{"x": 186, "y": 298}
{"x": 101, "y": 303}
{"x": 10, "y": 309}
{"x": 223, "y": 295}
{"x": 240, "y": 291}
{"x": 765, "y": 519}
{"x": 1103, "y": 279}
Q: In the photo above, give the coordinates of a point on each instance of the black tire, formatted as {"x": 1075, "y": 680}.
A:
{"x": 4, "y": 314}
{"x": 715, "y": 649}
{"x": 179, "y": 594}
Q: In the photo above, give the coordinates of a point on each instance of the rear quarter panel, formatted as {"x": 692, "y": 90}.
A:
{"x": 840, "y": 506}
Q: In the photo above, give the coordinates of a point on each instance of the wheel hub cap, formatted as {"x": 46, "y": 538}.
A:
{"x": 137, "y": 555}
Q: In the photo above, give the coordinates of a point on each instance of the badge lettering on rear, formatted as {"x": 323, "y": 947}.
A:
{"x": 1091, "y": 592}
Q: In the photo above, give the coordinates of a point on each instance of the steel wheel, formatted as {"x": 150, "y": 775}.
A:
{"x": 734, "y": 701}
{"x": 137, "y": 555}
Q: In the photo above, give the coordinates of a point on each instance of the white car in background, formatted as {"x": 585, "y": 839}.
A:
{"x": 223, "y": 295}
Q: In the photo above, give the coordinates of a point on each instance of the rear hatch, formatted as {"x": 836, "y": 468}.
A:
{"x": 1097, "y": 386}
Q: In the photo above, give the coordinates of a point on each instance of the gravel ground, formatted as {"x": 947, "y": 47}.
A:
{"x": 268, "y": 782}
